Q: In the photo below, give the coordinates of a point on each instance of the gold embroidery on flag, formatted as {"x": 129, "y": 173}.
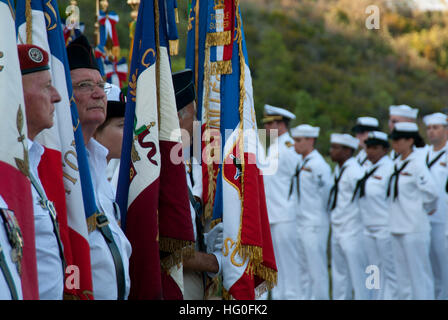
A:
{"x": 218, "y": 39}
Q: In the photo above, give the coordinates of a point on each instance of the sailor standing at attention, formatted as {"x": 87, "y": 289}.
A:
{"x": 283, "y": 161}
{"x": 348, "y": 258}
{"x": 312, "y": 186}
{"x": 371, "y": 191}
{"x": 413, "y": 195}
{"x": 436, "y": 130}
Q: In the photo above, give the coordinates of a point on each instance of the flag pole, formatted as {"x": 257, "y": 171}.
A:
{"x": 97, "y": 24}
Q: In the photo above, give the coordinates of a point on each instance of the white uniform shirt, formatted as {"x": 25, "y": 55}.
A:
{"x": 439, "y": 172}
{"x": 315, "y": 184}
{"x": 417, "y": 196}
{"x": 103, "y": 268}
{"x": 374, "y": 206}
{"x": 277, "y": 186}
{"x": 5, "y": 293}
{"x": 345, "y": 217}
{"x": 49, "y": 264}
{"x": 361, "y": 157}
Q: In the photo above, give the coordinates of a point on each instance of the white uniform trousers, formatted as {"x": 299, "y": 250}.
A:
{"x": 348, "y": 266}
{"x": 193, "y": 285}
{"x": 439, "y": 260}
{"x": 378, "y": 245}
{"x": 284, "y": 241}
{"x": 412, "y": 266}
{"x": 313, "y": 262}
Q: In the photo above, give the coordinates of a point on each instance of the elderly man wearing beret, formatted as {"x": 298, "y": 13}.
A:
{"x": 40, "y": 96}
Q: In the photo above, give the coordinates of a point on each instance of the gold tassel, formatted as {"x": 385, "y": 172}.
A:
{"x": 253, "y": 253}
{"x": 176, "y": 15}
{"x": 218, "y": 39}
{"x": 174, "y": 47}
{"x": 221, "y": 67}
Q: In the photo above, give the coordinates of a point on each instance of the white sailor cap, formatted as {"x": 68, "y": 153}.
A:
{"x": 406, "y": 127}
{"x": 377, "y": 137}
{"x": 345, "y": 140}
{"x": 435, "y": 118}
{"x": 364, "y": 124}
{"x": 407, "y": 130}
{"x": 305, "y": 130}
{"x": 403, "y": 111}
{"x": 272, "y": 113}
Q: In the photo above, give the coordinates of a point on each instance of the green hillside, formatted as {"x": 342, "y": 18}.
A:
{"x": 318, "y": 59}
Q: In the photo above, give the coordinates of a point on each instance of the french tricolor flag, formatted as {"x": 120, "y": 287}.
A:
{"x": 152, "y": 189}
{"x": 233, "y": 186}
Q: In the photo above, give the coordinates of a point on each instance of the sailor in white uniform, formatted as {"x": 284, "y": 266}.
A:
{"x": 413, "y": 195}
{"x": 282, "y": 217}
{"x": 363, "y": 126}
{"x": 436, "y": 129}
{"x": 371, "y": 191}
{"x": 403, "y": 113}
{"x": 348, "y": 258}
{"x": 311, "y": 188}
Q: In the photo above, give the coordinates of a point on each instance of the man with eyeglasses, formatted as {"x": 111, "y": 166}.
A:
{"x": 110, "y": 250}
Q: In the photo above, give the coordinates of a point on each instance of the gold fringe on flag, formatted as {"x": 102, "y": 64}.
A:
{"x": 178, "y": 250}
{"x": 221, "y": 67}
{"x": 218, "y": 39}
{"x": 208, "y": 206}
{"x": 174, "y": 47}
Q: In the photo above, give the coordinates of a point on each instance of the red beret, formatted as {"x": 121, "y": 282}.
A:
{"x": 32, "y": 58}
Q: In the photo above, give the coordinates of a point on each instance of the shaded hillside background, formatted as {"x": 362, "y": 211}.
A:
{"x": 318, "y": 59}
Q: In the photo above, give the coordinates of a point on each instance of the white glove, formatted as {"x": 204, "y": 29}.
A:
{"x": 218, "y": 255}
{"x": 214, "y": 239}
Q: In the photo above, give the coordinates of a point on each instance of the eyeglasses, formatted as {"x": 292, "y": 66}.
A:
{"x": 89, "y": 86}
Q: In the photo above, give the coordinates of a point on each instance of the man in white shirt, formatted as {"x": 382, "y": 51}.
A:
{"x": 363, "y": 126}
{"x": 11, "y": 245}
{"x": 281, "y": 213}
{"x": 312, "y": 186}
{"x": 110, "y": 250}
{"x": 436, "y": 129}
{"x": 348, "y": 258}
{"x": 40, "y": 96}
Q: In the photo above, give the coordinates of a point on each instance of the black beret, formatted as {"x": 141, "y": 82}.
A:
{"x": 183, "y": 88}
{"x": 116, "y": 102}
{"x": 80, "y": 54}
